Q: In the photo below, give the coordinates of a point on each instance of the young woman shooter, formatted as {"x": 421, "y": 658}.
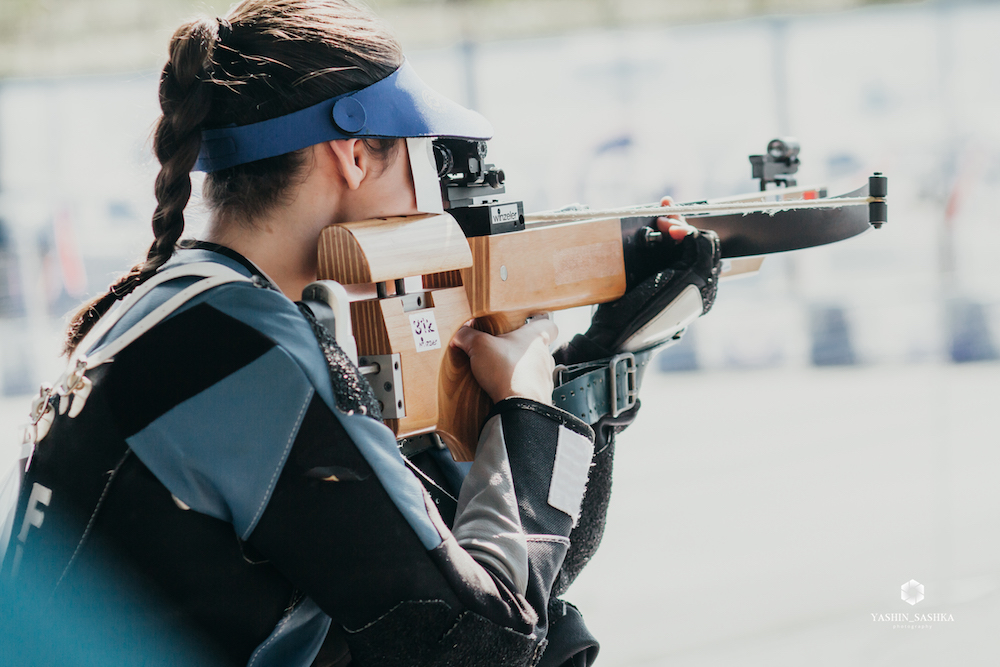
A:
{"x": 215, "y": 465}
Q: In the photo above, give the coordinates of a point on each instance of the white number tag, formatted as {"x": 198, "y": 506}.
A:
{"x": 425, "y": 330}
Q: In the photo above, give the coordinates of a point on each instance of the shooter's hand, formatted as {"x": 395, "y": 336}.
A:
{"x": 692, "y": 258}
{"x": 513, "y": 364}
{"x": 674, "y": 225}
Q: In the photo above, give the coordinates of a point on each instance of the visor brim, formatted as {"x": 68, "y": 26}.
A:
{"x": 399, "y": 106}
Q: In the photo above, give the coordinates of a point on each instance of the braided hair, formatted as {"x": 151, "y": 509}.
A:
{"x": 267, "y": 58}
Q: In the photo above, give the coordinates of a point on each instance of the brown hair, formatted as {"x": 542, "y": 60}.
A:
{"x": 267, "y": 58}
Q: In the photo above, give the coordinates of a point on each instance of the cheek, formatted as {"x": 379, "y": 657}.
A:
{"x": 410, "y": 198}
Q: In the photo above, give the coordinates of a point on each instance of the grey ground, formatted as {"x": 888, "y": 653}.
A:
{"x": 762, "y": 517}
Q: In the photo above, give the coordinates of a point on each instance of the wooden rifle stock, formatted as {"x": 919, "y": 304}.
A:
{"x": 496, "y": 280}
{"x": 499, "y": 280}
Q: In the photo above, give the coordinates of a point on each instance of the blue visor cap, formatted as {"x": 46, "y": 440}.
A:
{"x": 400, "y": 105}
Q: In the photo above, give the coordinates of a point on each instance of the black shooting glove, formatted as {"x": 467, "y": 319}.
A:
{"x": 695, "y": 260}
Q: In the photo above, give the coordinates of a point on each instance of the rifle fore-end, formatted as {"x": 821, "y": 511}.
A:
{"x": 497, "y": 280}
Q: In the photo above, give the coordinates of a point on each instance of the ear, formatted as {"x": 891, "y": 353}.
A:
{"x": 352, "y": 160}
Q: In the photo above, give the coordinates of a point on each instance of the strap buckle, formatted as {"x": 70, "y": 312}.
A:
{"x": 631, "y": 390}
{"x": 557, "y": 374}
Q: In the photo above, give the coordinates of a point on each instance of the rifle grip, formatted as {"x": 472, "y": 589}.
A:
{"x": 463, "y": 405}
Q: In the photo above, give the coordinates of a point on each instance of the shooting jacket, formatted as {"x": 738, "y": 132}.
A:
{"x": 225, "y": 497}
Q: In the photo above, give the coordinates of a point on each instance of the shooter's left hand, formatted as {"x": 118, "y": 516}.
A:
{"x": 674, "y": 225}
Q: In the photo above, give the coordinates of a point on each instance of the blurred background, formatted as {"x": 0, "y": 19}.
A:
{"x": 826, "y": 434}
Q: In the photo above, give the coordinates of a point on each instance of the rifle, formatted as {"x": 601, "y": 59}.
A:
{"x": 484, "y": 260}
